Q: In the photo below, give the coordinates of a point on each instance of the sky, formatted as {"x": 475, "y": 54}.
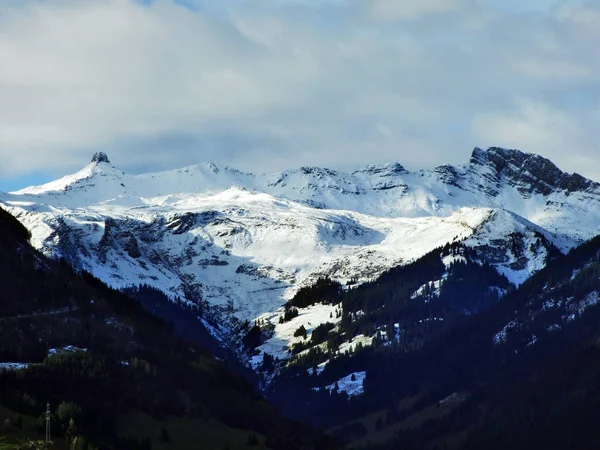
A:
{"x": 265, "y": 85}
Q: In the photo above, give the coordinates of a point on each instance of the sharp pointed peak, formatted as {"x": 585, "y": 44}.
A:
{"x": 100, "y": 157}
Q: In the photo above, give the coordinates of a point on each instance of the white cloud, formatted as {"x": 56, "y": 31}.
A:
{"x": 267, "y": 84}
{"x": 540, "y": 128}
{"x": 534, "y": 125}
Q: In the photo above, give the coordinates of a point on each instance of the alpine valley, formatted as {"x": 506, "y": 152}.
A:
{"x": 392, "y": 308}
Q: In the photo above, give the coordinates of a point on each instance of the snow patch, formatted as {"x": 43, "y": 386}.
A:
{"x": 351, "y": 384}
{"x": 500, "y": 337}
{"x": 67, "y": 349}
{"x": 431, "y": 289}
{"x": 456, "y": 397}
{"x": 448, "y": 260}
{"x": 12, "y": 366}
{"x": 283, "y": 337}
{"x": 350, "y": 346}
{"x": 318, "y": 370}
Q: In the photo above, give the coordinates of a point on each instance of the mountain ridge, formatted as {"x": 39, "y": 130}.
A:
{"x": 506, "y": 162}
{"x": 241, "y": 244}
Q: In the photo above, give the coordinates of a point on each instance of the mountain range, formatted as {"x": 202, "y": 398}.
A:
{"x": 241, "y": 244}
{"x": 391, "y": 307}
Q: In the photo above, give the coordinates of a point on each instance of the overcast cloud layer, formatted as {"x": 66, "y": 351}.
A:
{"x": 270, "y": 84}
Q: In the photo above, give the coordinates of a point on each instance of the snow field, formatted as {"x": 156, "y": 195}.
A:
{"x": 248, "y": 242}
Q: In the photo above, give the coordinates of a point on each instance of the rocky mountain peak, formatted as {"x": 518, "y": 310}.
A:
{"x": 529, "y": 172}
{"x": 390, "y": 169}
{"x": 500, "y": 158}
{"x": 100, "y": 157}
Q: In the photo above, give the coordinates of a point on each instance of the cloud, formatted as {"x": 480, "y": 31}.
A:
{"x": 530, "y": 124}
{"x": 407, "y": 10}
{"x": 565, "y": 138}
{"x": 269, "y": 84}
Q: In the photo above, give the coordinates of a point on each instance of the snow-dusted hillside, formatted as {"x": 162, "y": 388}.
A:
{"x": 245, "y": 243}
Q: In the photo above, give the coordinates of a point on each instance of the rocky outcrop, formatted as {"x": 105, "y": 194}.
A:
{"x": 100, "y": 157}
{"x": 527, "y": 172}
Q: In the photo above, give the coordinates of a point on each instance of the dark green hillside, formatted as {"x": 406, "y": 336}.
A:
{"x": 540, "y": 389}
{"x": 136, "y": 384}
{"x": 519, "y": 373}
{"x": 398, "y": 365}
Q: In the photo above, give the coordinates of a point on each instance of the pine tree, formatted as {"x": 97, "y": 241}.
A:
{"x": 71, "y": 432}
{"x": 268, "y": 362}
{"x": 301, "y": 331}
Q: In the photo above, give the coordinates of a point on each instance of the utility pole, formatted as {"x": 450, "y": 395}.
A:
{"x": 48, "y": 436}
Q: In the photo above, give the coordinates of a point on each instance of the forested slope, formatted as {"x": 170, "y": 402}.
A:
{"x": 517, "y": 372}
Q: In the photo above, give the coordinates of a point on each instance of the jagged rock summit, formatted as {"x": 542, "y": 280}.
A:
{"x": 528, "y": 172}
{"x": 100, "y": 157}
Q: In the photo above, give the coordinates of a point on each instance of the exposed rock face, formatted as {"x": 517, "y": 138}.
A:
{"x": 100, "y": 157}
{"x": 384, "y": 169}
{"x": 529, "y": 173}
{"x": 448, "y": 174}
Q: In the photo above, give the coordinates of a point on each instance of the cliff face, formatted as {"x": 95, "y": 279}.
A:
{"x": 528, "y": 173}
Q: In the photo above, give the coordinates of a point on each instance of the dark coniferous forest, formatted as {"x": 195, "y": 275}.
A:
{"x": 517, "y": 373}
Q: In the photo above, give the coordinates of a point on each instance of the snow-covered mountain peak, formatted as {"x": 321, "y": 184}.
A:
{"x": 99, "y": 168}
{"x": 216, "y": 168}
{"x": 526, "y": 184}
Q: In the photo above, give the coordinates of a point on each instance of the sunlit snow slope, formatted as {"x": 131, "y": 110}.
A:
{"x": 245, "y": 242}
